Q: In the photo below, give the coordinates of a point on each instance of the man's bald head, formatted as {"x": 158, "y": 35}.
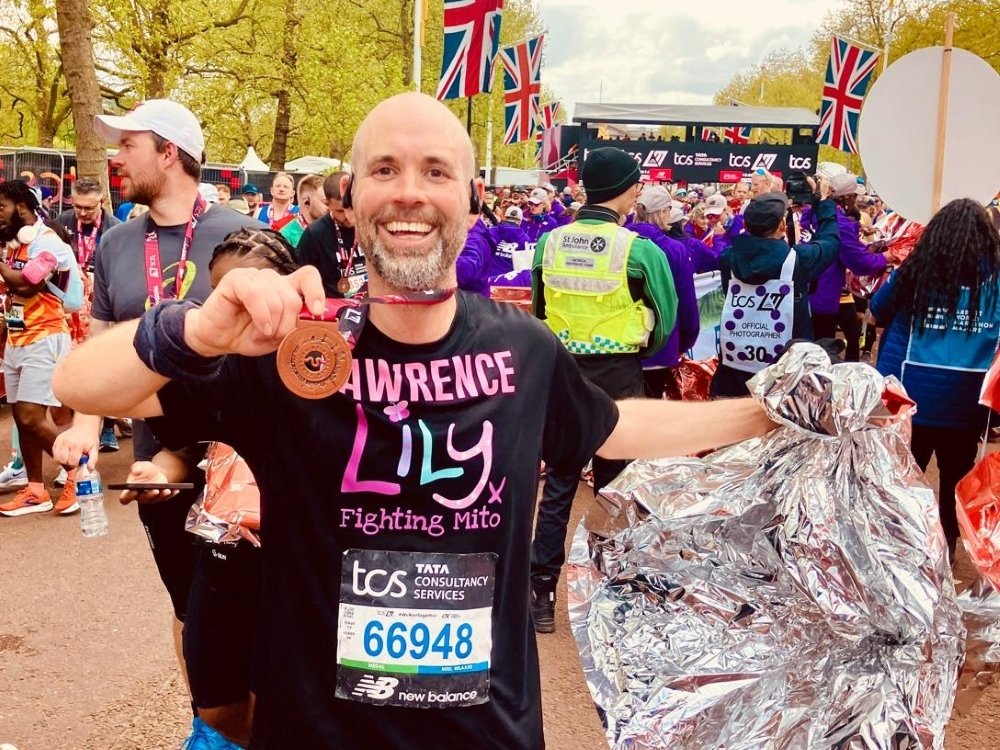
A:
{"x": 413, "y": 111}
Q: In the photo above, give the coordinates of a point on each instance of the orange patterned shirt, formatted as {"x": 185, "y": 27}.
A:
{"x": 42, "y": 313}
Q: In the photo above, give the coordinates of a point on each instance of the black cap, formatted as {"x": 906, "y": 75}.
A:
{"x": 607, "y": 173}
{"x": 764, "y": 213}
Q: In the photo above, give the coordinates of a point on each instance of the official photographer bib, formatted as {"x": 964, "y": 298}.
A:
{"x": 757, "y": 320}
{"x": 415, "y": 628}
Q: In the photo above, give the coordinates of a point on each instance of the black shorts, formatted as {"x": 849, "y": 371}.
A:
{"x": 221, "y": 627}
{"x": 174, "y": 549}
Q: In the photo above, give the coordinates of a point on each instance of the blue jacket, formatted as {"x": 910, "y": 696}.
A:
{"x": 853, "y": 255}
{"x": 685, "y": 331}
{"x": 947, "y": 395}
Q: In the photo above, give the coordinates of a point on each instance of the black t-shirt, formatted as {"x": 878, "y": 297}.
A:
{"x": 397, "y": 516}
{"x": 321, "y": 246}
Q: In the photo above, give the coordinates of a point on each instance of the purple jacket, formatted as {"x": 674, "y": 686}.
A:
{"x": 853, "y": 255}
{"x": 505, "y": 240}
{"x": 471, "y": 264}
{"x": 705, "y": 257}
{"x": 535, "y": 227}
{"x": 688, "y": 323}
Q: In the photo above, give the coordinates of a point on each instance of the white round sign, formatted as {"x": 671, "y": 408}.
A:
{"x": 898, "y": 132}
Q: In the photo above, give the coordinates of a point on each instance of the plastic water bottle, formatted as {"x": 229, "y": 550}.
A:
{"x": 90, "y": 495}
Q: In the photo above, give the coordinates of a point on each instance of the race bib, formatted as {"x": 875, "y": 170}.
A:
{"x": 415, "y": 628}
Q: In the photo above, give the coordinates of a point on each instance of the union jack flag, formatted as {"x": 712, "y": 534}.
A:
{"x": 847, "y": 75}
{"x": 738, "y": 134}
{"x": 471, "y": 38}
{"x": 546, "y": 119}
{"x": 709, "y": 135}
{"x": 522, "y": 85}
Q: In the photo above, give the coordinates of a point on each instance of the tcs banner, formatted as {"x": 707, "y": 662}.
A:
{"x": 710, "y": 162}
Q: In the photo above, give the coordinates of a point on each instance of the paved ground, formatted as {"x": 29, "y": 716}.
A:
{"x": 86, "y": 661}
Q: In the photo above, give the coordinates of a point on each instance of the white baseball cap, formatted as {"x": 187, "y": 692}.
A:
{"x": 715, "y": 205}
{"x": 169, "y": 120}
{"x": 209, "y": 192}
{"x": 513, "y": 212}
{"x": 845, "y": 184}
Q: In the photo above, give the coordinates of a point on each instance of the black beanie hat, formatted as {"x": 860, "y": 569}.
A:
{"x": 764, "y": 213}
{"x": 607, "y": 173}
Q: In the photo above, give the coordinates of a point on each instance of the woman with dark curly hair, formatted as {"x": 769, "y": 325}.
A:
{"x": 941, "y": 308}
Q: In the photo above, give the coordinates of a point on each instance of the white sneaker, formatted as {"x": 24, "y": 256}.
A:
{"x": 59, "y": 481}
{"x": 11, "y": 478}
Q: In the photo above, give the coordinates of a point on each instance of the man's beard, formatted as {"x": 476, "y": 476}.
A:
{"x": 143, "y": 191}
{"x": 9, "y": 231}
{"x": 414, "y": 269}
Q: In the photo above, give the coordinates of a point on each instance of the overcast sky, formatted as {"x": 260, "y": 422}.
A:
{"x": 662, "y": 51}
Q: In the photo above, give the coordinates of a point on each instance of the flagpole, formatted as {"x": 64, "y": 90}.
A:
{"x": 418, "y": 24}
{"x": 888, "y": 35}
{"x": 942, "y": 123}
{"x": 489, "y": 138}
{"x": 468, "y": 115}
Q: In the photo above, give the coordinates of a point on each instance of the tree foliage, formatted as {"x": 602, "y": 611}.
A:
{"x": 288, "y": 77}
{"x": 795, "y": 77}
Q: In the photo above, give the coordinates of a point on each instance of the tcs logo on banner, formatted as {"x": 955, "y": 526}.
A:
{"x": 746, "y": 161}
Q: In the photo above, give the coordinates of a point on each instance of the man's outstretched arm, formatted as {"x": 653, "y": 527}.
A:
{"x": 657, "y": 428}
{"x": 106, "y": 376}
{"x": 249, "y": 313}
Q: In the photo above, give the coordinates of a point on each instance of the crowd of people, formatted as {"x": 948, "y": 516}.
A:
{"x": 381, "y": 575}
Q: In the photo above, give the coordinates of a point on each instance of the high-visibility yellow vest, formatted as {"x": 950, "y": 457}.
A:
{"x": 587, "y": 300}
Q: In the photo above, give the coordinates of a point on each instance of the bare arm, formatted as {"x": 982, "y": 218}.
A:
{"x": 651, "y": 428}
{"x": 249, "y": 313}
{"x": 126, "y": 386}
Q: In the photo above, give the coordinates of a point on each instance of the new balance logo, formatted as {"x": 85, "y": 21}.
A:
{"x": 376, "y": 688}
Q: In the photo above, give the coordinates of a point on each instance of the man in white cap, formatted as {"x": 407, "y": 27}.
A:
{"x": 552, "y": 203}
{"x": 161, "y": 255}
{"x": 539, "y": 220}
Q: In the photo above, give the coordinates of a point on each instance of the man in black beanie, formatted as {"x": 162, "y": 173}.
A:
{"x": 609, "y": 296}
{"x": 767, "y": 287}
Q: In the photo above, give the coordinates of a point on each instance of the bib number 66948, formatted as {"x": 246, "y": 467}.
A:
{"x": 397, "y": 639}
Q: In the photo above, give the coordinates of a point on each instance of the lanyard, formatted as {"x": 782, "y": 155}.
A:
{"x": 314, "y": 360}
{"x": 154, "y": 281}
{"x": 86, "y": 245}
{"x": 345, "y": 257}
{"x": 350, "y": 325}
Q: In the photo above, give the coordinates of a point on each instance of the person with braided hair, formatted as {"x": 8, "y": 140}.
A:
{"x": 224, "y": 600}
{"x": 250, "y": 247}
{"x": 941, "y": 309}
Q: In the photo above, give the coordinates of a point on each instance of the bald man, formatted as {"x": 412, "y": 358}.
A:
{"x": 396, "y": 511}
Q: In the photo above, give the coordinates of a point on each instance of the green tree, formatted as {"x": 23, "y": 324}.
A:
{"x": 32, "y": 86}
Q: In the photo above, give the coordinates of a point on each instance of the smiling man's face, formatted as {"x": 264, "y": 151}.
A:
{"x": 413, "y": 172}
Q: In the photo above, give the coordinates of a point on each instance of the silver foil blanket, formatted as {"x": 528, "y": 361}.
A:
{"x": 786, "y": 593}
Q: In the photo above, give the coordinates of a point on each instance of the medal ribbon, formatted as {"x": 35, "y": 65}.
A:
{"x": 350, "y": 325}
{"x": 86, "y": 245}
{"x": 154, "y": 271}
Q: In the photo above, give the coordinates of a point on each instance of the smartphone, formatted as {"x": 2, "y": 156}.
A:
{"x": 141, "y": 486}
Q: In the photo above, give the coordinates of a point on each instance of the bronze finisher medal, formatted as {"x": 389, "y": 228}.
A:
{"x": 344, "y": 285}
{"x": 314, "y": 361}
